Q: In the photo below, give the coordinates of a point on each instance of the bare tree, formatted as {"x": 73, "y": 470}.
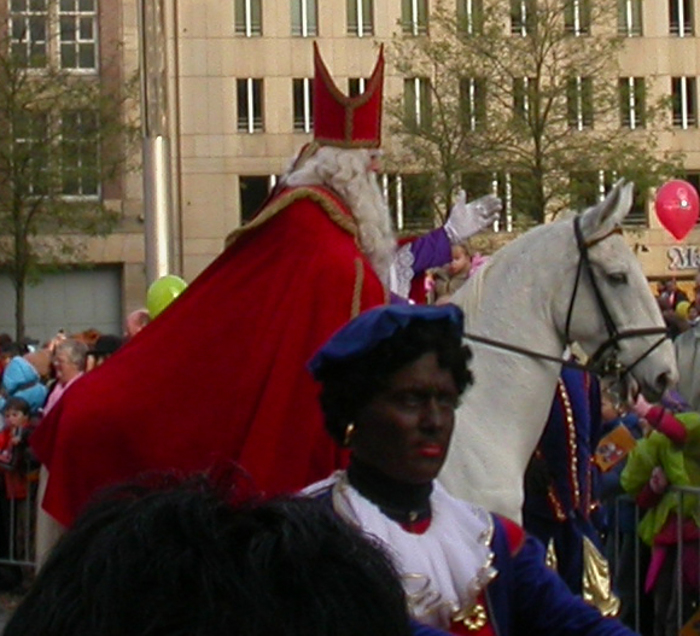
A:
{"x": 527, "y": 95}
{"x": 62, "y": 136}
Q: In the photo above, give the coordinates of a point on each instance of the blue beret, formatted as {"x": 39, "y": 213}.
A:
{"x": 374, "y": 326}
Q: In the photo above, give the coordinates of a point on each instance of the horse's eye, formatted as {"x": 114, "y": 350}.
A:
{"x": 617, "y": 278}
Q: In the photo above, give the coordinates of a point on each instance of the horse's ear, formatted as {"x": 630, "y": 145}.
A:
{"x": 611, "y": 211}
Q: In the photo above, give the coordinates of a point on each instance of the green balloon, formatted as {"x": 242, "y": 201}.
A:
{"x": 162, "y": 292}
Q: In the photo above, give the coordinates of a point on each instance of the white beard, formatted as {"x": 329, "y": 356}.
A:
{"x": 347, "y": 172}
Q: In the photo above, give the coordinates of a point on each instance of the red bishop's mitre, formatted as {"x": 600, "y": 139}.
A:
{"x": 347, "y": 122}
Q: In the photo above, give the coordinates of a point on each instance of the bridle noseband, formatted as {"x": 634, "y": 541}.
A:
{"x": 605, "y": 360}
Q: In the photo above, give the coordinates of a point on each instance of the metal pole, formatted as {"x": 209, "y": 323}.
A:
{"x": 157, "y": 184}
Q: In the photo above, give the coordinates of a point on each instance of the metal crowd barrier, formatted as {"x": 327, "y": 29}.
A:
{"x": 18, "y": 517}
{"x": 687, "y": 495}
{"x": 629, "y": 560}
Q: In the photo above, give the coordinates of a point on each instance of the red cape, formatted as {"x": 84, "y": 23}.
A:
{"x": 222, "y": 372}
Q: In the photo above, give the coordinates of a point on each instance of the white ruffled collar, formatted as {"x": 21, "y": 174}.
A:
{"x": 443, "y": 569}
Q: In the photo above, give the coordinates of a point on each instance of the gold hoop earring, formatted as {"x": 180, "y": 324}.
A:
{"x": 349, "y": 432}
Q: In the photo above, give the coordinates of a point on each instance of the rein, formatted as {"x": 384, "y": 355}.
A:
{"x": 599, "y": 362}
{"x": 497, "y": 344}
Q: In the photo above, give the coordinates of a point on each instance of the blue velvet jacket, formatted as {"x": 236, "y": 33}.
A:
{"x": 526, "y": 597}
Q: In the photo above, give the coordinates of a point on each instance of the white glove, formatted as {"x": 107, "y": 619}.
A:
{"x": 467, "y": 219}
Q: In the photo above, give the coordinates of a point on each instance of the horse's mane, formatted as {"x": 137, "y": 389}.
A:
{"x": 471, "y": 296}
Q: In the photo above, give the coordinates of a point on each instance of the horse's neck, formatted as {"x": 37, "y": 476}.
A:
{"x": 517, "y": 295}
{"x": 504, "y": 414}
{"x": 517, "y": 315}
{"x": 511, "y": 300}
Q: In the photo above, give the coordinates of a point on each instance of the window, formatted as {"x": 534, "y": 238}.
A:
{"x": 586, "y": 189}
{"x": 417, "y": 201}
{"x": 29, "y": 29}
{"x": 249, "y": 94}
{"x": 77, "y": 33}
{"x": 694, "y": 179}
{"x": 579, "y": 102}
{"x": 632, "y": 102}
{"x": 80, "y": 156}
{"x": 523, "y": 96}
{"x": 414, "y": 17}
{"x": 253, "y": 192}
{"x": 577, "y": 17}
{"x": 523, "y": 17}
{"x": 248, "y": 17}
{"x": 75, "y": 170}
{"x": 31, "y": 135}
{"x": 479, "y": 184}
{"x": 519, "y": 192}
{"x": 629, "y": 17}
{"x": 590, "y": 187}
{"x": 472, "y": 94}
{"x": 637, "y": 216}
{"x": 680, "y": 17}
{"x": 73, "y": 21}
{"x": 683, "y": 97}
{"x": 409, "y": 197}
{"x": 356, "y": 86}
{"x": 470, "y": 16}
{"x": 417, "y": 102}
{"x": 303, "y": 104}
{"x": 360, "y": 18}
{"x": 304, "y": 18}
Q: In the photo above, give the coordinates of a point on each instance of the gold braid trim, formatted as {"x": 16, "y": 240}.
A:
{"x": 334, "y": 211}
{"x": 357, "y": 290}
{"x": 572, "y": 446}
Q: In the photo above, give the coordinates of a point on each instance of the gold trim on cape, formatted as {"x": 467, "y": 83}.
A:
{"x": 357, "y": 291}
{"x": 334, "y": 211}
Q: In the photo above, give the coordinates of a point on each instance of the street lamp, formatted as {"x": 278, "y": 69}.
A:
{"x": 157, "y": 182}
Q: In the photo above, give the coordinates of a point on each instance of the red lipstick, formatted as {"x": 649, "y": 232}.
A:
{"x": 431, "y": 450}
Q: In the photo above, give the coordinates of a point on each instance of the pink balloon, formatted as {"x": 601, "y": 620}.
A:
{"x": 677, "y": 206}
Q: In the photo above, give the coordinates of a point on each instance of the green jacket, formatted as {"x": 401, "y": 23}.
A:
{"x": 681, "y": 465}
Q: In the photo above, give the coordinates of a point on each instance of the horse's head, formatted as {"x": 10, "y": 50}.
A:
{"x": 606, "y": 304}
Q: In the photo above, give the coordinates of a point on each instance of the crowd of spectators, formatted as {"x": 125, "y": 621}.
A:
{"x": 635, "y": 486}
{"x": 32, "y": 380}
{"x": 607, "y": 473}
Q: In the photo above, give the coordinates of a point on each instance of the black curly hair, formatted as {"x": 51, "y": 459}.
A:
{"x": 182, "y": 559}
{"x": 349, "y": 385}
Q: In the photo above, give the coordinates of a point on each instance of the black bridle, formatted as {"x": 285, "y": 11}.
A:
{"x": 605, "y": 360}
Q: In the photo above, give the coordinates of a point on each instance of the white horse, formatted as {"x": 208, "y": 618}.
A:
{"x": 523, "y": 297}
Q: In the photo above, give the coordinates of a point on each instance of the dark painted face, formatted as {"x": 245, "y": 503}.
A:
{"x": 404, "y": 432}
